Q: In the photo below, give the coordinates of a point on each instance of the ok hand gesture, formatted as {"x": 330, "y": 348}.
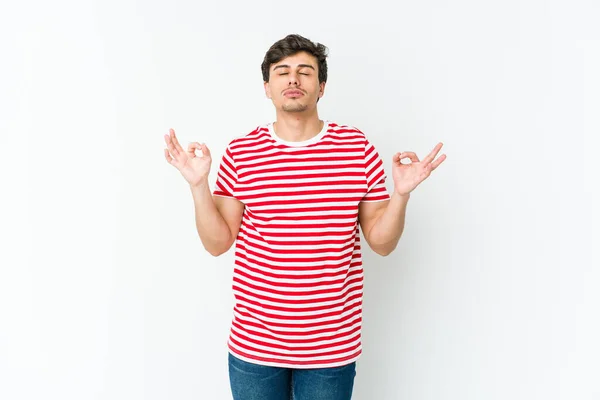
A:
{"x": 408, "y": 176}
{"x": 194, "y": 168}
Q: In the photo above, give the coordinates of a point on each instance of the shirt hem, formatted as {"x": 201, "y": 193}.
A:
{"x": 282, "y": 364}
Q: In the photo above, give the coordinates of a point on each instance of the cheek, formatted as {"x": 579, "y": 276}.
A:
{"x": 274, "y": 87}
{"x": 270, "y": 90}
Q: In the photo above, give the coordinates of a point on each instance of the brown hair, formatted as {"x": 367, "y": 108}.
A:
{"x": 290, "y": 45}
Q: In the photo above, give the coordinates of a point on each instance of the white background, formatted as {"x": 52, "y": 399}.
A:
{"x": 105, "y": 289}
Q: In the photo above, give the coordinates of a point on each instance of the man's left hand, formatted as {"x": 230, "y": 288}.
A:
{"x": 408, "y": 176}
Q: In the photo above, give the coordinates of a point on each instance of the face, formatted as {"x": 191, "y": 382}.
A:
{"x": 294, "y": 83}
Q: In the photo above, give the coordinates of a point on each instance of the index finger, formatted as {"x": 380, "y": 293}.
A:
{"x": 175, "y": 141}
{"x": 433, "y": 153}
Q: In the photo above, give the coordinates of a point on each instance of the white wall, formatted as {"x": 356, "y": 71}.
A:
{"x": 105, "y": 290}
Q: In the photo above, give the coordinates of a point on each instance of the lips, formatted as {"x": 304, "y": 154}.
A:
{"x": 293, "y": 93}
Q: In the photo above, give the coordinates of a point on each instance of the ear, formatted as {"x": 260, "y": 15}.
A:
{"x": 322, "y": 89}
{"x": 267, "y": 90}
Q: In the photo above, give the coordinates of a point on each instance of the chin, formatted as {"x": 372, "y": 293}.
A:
{"x": 294, "y": 108}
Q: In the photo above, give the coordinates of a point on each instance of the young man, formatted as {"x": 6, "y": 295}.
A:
{"x": 292, "y": 194}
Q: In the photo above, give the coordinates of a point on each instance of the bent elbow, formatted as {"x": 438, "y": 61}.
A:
{"x": 218, "y": 250}
{"x": 215, "y": 253}
{"x": 384, "y": 253}
{"x": 384, "y": 250}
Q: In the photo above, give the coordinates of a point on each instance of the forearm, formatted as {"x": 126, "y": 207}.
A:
{"x": 388, "y": 228}
{"x": 212, "y": 228}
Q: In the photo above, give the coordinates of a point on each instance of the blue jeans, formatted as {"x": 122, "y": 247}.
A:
{"x": 251, "y": 381}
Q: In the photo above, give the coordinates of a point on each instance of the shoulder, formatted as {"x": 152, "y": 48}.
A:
{"x": 255, "y": 136}
{"x": 348, "y": 133}
{"x": 345, "y": 131}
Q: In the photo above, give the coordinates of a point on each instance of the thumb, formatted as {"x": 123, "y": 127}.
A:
{"x": 205, "y": 150}
{"x": 192, "y": 147}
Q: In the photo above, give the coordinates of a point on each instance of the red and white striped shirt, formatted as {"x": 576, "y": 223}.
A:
{"x": 298, "y": 276}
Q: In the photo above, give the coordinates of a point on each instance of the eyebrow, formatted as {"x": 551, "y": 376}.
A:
{"x": 299, "y": 66}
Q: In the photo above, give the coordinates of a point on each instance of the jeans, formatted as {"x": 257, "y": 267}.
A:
{"x": 259, "y": 382}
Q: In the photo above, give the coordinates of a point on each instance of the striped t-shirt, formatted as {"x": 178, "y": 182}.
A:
{"x": 298, "y": 276}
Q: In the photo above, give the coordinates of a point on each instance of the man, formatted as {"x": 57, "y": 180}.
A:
{"x": 292, "y": 194}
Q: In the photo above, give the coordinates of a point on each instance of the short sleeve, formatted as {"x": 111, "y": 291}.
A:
{"x": 227, "y": 176}
{"x": 375, "y": 174}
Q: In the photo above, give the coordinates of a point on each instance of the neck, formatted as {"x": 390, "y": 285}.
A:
{"x": 295, "y": 127}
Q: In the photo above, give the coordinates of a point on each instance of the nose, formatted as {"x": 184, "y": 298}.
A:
{"x": 293, "y": 78}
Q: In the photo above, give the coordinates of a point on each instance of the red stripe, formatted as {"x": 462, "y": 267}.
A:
{"x": 265, "y": 306}
{"x": 297, "y": 251}
{"x": 292, "y": 267}
{"x": 275, "y": 346}
{"x": 348, "y": 322}
{"x": 300, "y": 192}
{"x": 359, "y": 183}
{"x": 242, "y": 174}
{"x": 335, "y": 294}
{"x": 315, "y": 216}
{"x": 292, "y": 260}
{"x": 342, "y": 276}
{"x": 355, "y": 199}
{"x": 354, "y": 331}
{"x": 276, "y": 357}
{"x": 293, "y": 294}
{"x": 292, "y": 177}
{"x": 302, "y": 328}
{"x": 298, "y": 319}
{"x": 307, "y": 356}
{"x": 292, "y": 242}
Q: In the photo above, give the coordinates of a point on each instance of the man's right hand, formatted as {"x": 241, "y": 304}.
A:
{"x": 194, "y": 168}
